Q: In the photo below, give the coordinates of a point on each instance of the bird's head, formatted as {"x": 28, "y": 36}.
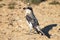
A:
{"x": 29, "y": 8}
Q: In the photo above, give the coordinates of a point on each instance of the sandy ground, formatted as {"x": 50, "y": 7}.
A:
{"x": 13, "y": 24}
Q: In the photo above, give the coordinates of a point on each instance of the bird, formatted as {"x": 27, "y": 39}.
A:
{"x": 32, "y": 20}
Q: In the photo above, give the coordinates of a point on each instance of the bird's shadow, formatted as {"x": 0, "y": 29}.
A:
{"x": 46, "y": 29}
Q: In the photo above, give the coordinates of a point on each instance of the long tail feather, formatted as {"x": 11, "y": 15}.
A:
{"x": 38, "y": 30}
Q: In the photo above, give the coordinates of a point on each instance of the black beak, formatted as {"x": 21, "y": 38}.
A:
{"x": 24, "y": 8}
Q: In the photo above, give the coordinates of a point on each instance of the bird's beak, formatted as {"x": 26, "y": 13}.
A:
{"x": 24, "y": 8}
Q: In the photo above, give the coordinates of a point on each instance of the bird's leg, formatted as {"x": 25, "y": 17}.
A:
{"x": 35, "y": 32}
{"x": 31, "y": 30}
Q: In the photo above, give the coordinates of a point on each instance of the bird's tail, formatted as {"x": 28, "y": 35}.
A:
{"x": 38, "y": 30}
